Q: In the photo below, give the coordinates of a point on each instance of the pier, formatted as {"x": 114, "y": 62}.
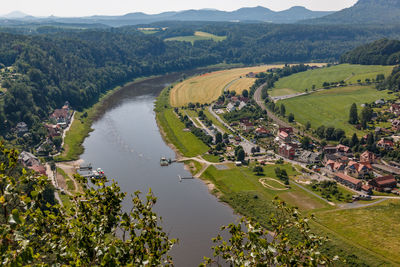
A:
{"x": 185, "y": 178}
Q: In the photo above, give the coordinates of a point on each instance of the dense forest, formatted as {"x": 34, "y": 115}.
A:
{"x": 53, "y": 65}
{"x": 381, "y": 52}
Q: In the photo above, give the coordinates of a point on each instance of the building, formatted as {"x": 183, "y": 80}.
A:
{"x": 241, "y": 105}
{"x": 39, "y": 169}
{"x": 395, "y": 109}
{"x": 62, "y": 116}
{"x": 247, "y": 126}
{"x": 384, "y": 183}
{"x": 309, "y": 157}
{"x": 368, "y": 157}
{"x": 53, "y": 130}
{"x": 262, "y": 132}
{"x": 348, "y": 181}
{"x": 27, "y": 159}
{"x": 230, "y": 107}
{"x": 358, "y": 169}
{"x": 396, "y": 125}
{"x": 21, "y": 128}
{"x": 343, "y": 149}
{"x": 287, "y": 151}
{"x": 385, "y": 144}
{"x": 284, "y": 136}
{"x": 288, "y": 130}
{"x": 367, "y": 189}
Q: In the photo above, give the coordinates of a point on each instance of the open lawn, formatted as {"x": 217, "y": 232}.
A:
{"x": 331, "y": 107}
{"x": 305, "y": 80}
{"x": 196, "y": 37}
{"x": 242, "y": 179}
{"x": 208, "y": 87}
{"x": 373, "y": 228}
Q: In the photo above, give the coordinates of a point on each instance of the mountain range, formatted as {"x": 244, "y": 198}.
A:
{"x": 364, "y": 12}
{"x": 247, "y": 14}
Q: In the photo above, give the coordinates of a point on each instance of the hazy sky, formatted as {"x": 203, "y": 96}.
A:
{"x": 73, "y": 8}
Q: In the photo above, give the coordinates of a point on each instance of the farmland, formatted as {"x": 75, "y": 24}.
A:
{"x": 208, "y": 87}
{"x": 305, "y": 80}
{"x": 331, "y": 107}
{"x": 371, "y": 228}
{"x": 197, "y": 37}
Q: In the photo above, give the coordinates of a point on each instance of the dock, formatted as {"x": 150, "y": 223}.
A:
{"x": 185, "y": 178}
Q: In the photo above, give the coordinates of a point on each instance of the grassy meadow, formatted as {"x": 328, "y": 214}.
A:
{"x": 371, "y": 228}
{"x": 197, "y": 37}
{"x": 305, "y": 80}
{"x": 331, "y": 107}
{"x": 208, "y": 87}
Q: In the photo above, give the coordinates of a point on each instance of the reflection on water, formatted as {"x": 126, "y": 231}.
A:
{"x": 126, "y": 143}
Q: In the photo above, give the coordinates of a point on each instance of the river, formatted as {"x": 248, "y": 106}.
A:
{"x": 127, "y": 144}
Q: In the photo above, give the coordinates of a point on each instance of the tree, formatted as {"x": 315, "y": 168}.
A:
{"x": 35, "y": 231}
{"x": 308, "y": 125}
{"x": 57, "y": 141}
{"x": 240, "y": 155}
{"x": 321, "y": 131}
{"x": 245, "y": 93}
{"x": 366, "y": 115}
{"x": 353, "y": 116}
{"x": 305, "y": 142}
{"x": 291, "y": 117}
{"x": 218, "y": 138}
{"x": 258, "y": 170}
{"x": 354, "y": 140}
{"x": 254, "y": 246}
{"x": 283, "y": 110}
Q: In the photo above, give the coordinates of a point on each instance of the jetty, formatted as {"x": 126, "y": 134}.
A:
{"x": 184, "y": 178}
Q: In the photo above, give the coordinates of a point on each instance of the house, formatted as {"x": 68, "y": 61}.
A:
{"x": 348, "y": 181}
{"x": 384, "y": 183}
{"x": 367, "y": 189}
{"x": 21, "y": 128}
{"x": 262, "y": 132}
{"x": 247, "y": 126}
{"x": 53, "y": 130}
{"x": 284, "y": 136}
{"x": 330, "y": 150}
{"x": 395, "y": 109}
{"x": 343, "y": 149}
{"x": 358, "y": 169}
{"x": 368, "y": 157}
{"x": 309, "y": 157}
{"x": 380, "y": 102}
{"x": 241, "y": 105}
{"x": 39, "y": 169}
{"x": 288, "y": 130}
{"x": 396, "y": 125}
{"x": 27, "y": 159}
{"x": 230, "y": 107}
{"x": 62, "y": 116}
{"x": 385, "y": 144}
{"x": 250, "y": 75}
{"x": 286, "y": 151}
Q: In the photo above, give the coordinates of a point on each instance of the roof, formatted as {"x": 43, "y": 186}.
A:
{"x": 348, "y": 178}
{"x": 38, "y": 168}
{"x": 262, "y": 130}
{"x": 60, "y": 113}
{"x": 343, "y": 148}
{"x": 366, "y": 187}
{"x": 367, "y": 154}
{"x": 283, "y": 134}
{"x": 384, "y": 180}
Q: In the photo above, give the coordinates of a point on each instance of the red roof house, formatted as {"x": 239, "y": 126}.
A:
{"x": 382, "y": 183}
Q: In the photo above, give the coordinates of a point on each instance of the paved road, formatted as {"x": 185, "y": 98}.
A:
{"x": 276, "y": 119}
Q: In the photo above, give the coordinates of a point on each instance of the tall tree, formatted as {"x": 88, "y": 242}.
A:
{"x": 283, "y": 110}
{"x": 353, "y": 116}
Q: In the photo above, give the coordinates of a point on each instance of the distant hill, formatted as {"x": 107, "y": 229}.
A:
{"x": 364, "y": 12}
{"x": 247, "y": 14}
{"x": 15, "y": 15}
{"x": 382, "y": 52}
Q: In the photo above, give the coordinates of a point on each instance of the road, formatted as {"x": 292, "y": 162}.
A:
{"x": 246, "y": 144}
{"x": 312, "y": 193}
{"x": 276, "y": 119}
{"x": 53, "y": 180}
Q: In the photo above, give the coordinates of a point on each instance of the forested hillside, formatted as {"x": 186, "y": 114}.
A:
{"x": 364, "y": 12}
{"x": 381, "y": 52}
{"x": 48, "y": 69}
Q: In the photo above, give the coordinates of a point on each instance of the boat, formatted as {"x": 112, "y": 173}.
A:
{"x": 164, "y": 162}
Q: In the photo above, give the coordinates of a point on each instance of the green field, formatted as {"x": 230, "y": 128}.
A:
{"x": 188, "y": 144}
{"x": 197, "y": 37}
{"x": 373, "y": 228}
{"x": 243, "y": 180}
{"x": 305, "y": 80}
{"x": 331, "y": 107}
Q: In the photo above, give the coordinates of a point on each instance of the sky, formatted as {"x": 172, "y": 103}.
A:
{"x": 77, "y": 8}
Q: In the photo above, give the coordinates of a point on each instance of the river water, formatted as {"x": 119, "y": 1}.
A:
{"x": 127, "y": 144}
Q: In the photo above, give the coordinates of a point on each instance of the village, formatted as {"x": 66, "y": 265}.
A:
{"x": 235, "y": 122}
